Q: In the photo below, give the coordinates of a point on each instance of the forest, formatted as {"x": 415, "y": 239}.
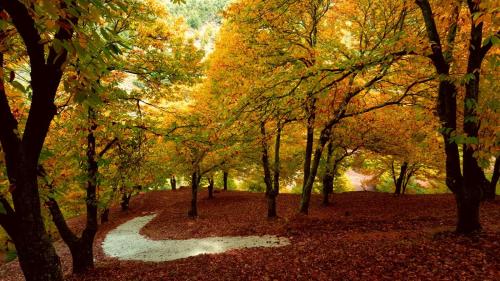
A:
{"x": 249, "y": 140}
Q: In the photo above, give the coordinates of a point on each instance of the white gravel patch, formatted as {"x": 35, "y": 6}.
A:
{"x": 125, "y": 243}
{"x": 358, "y": 180}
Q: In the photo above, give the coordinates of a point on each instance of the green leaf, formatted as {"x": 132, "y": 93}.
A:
{"x": 470, "y": 103}
{"x": 472, "y": 140}
{"x": 93, "y": 100}
{"x": 495, "y": 40}
{"x": 115, "y": 49}
{"x": 45, "y": 153}
{"x": 468, "y": 77}
{"x": 80, "y": 97}
{"x": 18, "y": 86}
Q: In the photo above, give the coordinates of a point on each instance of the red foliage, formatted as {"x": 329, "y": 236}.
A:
{"x": 364, "y": 235}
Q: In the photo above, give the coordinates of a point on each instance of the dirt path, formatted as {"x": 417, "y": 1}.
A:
{"x": 357, "y": 180}
{"x": 125, "y": 243}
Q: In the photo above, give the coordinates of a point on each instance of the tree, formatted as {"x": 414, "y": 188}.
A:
{"x": 368, "y": 64}
{"x": 210, "y": 187}
{"x": 272, "y": 180}
{"x": 88, "y": 87}
{"x": 225, "y": 176}
{"x": 23, "y": 222}
{"x": 467, "y": 185}
{"x": 173, "y": 182}
{"x": 336, "y": 153}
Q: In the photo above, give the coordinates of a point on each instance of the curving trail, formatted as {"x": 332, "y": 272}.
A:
{"x": 357, "y": 180}
{"x": 125, "y": 243}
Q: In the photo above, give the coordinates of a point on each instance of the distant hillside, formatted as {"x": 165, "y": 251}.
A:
{"x": 199, "y": 12}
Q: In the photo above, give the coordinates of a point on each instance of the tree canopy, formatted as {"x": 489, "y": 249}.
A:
{"x": 102, "y": 100}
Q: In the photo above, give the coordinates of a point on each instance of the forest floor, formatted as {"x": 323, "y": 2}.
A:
{"x": 362, "y": 236}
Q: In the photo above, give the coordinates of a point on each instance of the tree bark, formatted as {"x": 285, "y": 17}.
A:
{"x": 468, "y": 186}
{"x": 225, "y": 177}
{"x": 210, "y": 187}
{"x": 311, "y": 118}
{"x": 37, "y": 256}
{"x": 81, "y": 248}
{"x": 105, "y": 216}
{"x": 125, "y": 201}
{"x": 401, "y": 178}
{"x": 265, "y": 159}
{"x": 82, "y": 251}
{"x": 173, "y": 183}
{"x": 271, "y": 210}
{"x": 306, "y": 192}
{"x": 193, "y": 212}
{"x": 468, "y": 213}
{"x": 328, "y": 177}
{"x": 327, "y": 188}
{"x": 272, "y": 185}
{"x": 38, "y": 262}
{"x": 409, "y": 174}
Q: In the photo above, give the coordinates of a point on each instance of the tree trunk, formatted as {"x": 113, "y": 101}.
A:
{"x": 474, "y": 177}
{"x": 409, "y": 174}
{"x": 105, "y": 216}
{"x": 306, "y": 191}
{"x": 173, "y": 183}
{"x": 403, "y": 190}
{"x": 271, "y": 211}
{"x": 265, "y": 159}
{"x": 81, "y": 248}
{"x": 271, "y": 205}
{"x": 225, "y": 176}
{"x": 82, "y": 255}
{"x": 468, "y": 213}
{"x": 125, "y": 202}
{"x": 468, "y": 186}
{"x": 401, "y": 178}
{"x": 311, "y": 117}
{"x": 272, "y": 187}
{"x": 37, "y": 256}
{"x": 328, "y": 176}
{"x": 39, "y": 262}
{"x": 327, "y": 188}
{"x": 193, "y": 212}
{"x": 405, "y": 184}
{"x": 211, "y": 187}
{"x": 84, "y": 258}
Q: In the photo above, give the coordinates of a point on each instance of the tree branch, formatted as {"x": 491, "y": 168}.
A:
{"x": 58, "y": 218}
{"x": 435, "y": 41}
{"x": 26, "y": 27}
{"x": 9, "y": 139}
{"x": 107, "y": 147}
{"x": 486, "y": 47}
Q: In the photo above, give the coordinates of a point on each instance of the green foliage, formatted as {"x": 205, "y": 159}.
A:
{"x": 219, "y": 182}
{"x": 10, "y": 255}
{"x": 342, "y": 184}
{"x": 386, "y": 184}
{"x": 254, "y": 186}
{"x": 199, "y": 12}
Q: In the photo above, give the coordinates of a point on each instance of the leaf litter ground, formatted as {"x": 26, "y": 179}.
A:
{"x": 362, "y": 236}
